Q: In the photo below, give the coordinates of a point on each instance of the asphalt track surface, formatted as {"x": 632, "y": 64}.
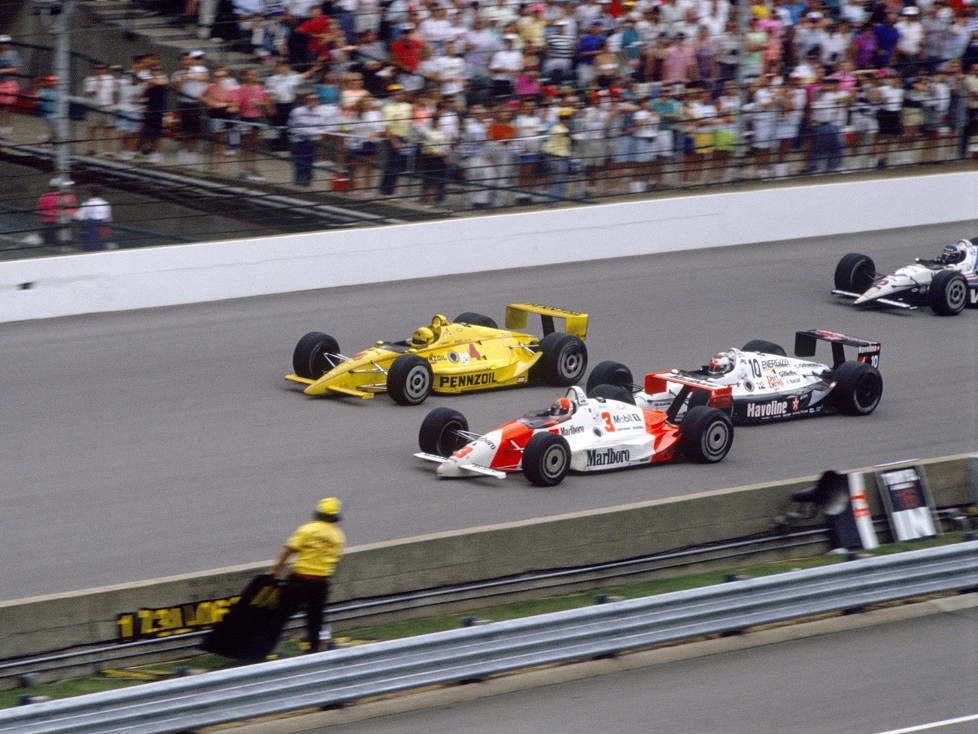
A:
{"x": 885, "y": 679}
{"x": 157, "y": 442}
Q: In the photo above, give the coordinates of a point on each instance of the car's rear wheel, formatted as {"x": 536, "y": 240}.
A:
{"x": 475, "y": 319}
{"x": 409, "y": 380}
{"x": 858, "y": 388}
{"x": 948, "y": 293}
{"x": 546, "y": 459}
{"x": 609, "y": 373}
{"x": 442, "y": 431}
{"x": 855, "y": 273}
{"x": 315, "y": 354}
{"x": 706, "y": 434}
{"x": 612, "y": 392}
{"x": 564, "y": 359}
{"x": 763, "y": 345}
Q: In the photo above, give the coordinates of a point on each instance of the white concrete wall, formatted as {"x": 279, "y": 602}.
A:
{"x": 122, "y": 280}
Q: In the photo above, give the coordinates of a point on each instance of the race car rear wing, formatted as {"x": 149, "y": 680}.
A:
{"x": 718, "y": 396}
{"x": 574, "y": 323}
{"x": 866, "y": 351}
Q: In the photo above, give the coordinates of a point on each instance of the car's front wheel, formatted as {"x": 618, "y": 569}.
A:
{"x": 706, "y": 434}
{"x": 609, "y": 373}
{"x": 855, "y": 273}
{"x": 409, "y": 380}
{"x": 442, "y": 432}
{"x": 546, "y": 459}
{"x": 315, "y": 354}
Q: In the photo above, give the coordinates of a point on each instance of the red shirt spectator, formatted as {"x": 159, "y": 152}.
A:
{"x": 406, "y": 52}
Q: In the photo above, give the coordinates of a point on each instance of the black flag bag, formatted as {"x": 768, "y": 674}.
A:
{"x": 251, "y": 627}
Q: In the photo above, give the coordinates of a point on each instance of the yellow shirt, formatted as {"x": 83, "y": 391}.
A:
{"x": 558, "y": 142}
{"x": 319, "y": 546}
{"x": 397, "y": 118}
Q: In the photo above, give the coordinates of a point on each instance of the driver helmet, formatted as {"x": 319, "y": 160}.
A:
{"x": 422, "y": 336}
{"x": 721, "y": 363}
{"x": 560, "y": 406}
{"x": 953, "y": 253}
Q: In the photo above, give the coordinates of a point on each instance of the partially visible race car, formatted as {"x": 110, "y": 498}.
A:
{"x": 947, "y": 283}
{"x": 578, "y": 433}
{"x": 767, "y": 385}
{"x": 467, "y": 354}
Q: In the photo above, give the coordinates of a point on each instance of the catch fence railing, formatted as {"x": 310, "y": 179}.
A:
{"x": 338, "y": 677}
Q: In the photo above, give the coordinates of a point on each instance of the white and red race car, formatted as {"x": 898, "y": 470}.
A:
{"x": 767, "y": 384}
{"x": 580, "y": 434}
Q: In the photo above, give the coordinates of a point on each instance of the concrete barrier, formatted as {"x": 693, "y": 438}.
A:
{"x": 45, "y": 623}
{"x": 161, "y": 276}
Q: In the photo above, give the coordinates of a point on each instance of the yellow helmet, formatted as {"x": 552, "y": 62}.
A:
{"x": 329, "y": 506}
{"x": 422, "y": 336}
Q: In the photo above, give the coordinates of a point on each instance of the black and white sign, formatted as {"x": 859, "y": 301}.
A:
{"x": 909, "y": 506}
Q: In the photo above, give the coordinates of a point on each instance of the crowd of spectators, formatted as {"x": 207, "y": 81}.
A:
{"x": 515, "y": 97}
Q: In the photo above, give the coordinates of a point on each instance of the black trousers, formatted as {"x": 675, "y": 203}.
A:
{"x": 310, "y": 594}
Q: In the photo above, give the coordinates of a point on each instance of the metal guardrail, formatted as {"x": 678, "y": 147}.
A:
{"x": 472, "y": 653}
{"x": 366, "y": 610}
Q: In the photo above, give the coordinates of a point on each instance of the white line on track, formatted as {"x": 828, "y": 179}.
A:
{"x": 932, "y": 725}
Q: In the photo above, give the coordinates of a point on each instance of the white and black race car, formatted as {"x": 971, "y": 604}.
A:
{"x": 767, "y": 384}
{"x": 947, "y": 283}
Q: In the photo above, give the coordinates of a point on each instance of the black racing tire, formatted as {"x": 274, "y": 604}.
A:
{"x": 706, "y": 434}
{"x": 948, "y": 293}
{"x": 612, "y": 392}
{"x": 409, "y": 380}
{"x": 309, "y": 358}
{"x": 563, "y": 361}
{"x": 763, "y": 345}
{"x": 696, "y": 398}
{"x": 546, "y": 459}
{"x": 855, "y": 273}
{"x": 475, "y": 319}
{"x": 440, "y": 432}
{"x": 609, "y": 373}
{"x": 858, "y": 388}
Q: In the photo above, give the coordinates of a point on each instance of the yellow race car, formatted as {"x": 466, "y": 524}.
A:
{"x": 469, "y": 353}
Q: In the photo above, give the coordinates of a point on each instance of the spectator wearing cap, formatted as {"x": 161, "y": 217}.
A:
{"x": 556, "y": 149}
{"x": 54, "y": 208}
{"x": 558, "y": 65}
{"x": 100, "y": 91}
{"x": 397, "y": 117}
{"x": 908, "y": 52}
{"x": 189, "y": 83}
{"x": 95, "y": 216}
{"x": 10, "y": 65}
{"x": 589, "y": 46}
{"x": 504, "y": 67}
{"x": 533, "y": 28}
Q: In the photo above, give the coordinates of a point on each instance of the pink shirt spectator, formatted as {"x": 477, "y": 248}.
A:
{"x": 251, "y": 100}
{"x": 676, "y": 66}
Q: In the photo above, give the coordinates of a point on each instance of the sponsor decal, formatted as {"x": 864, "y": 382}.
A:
{"x": 607, "y": 457}
{"x": 571, "y": 430}
{"x": 473, "y": 352}
{"x": 774, "y": 382}
{"x": 479, "y": 378}
{"x": 795, "y": 404}
{"x": 620, "y": 418}
{"x": 453, "y": 357}
{"x": 768, "y": 363}
{"x": 162, "y": 622}
{"x": 487, "y": 442}
{"x": 772, "y": 409}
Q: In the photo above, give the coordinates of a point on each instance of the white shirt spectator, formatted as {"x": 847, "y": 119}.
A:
{"x": 282, "y": 87}
{"x": 95, "y": 209}
{"x": 911, "y": 36}
{"x": 506, "y": 64}
{"x": 102, "y": 89}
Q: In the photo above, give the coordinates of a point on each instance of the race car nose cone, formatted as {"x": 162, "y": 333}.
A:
{"x": 449, "y": 469}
